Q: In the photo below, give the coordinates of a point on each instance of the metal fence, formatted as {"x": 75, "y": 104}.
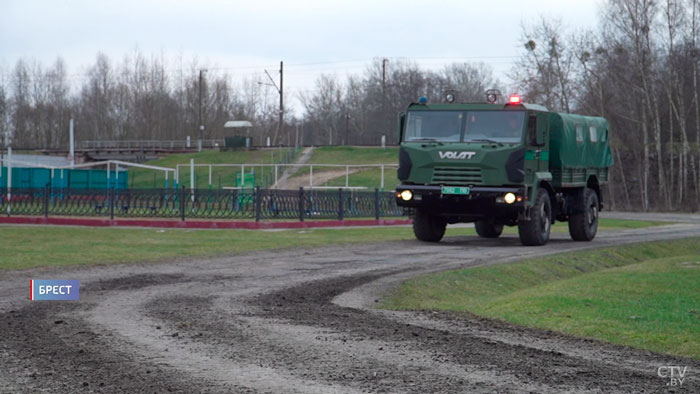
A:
{"x": 251, "y": 204}
{"x": 148, "y": 144}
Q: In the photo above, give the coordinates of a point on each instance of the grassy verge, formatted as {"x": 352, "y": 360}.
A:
{"x": 29, "y": 247}
{"x": 354, "y": 155}
{"x": 603, "y": 225}
{"x": 643, "y": 295}
{"x": 34, "y": 246}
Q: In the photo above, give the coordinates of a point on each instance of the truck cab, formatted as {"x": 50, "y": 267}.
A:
{"x": 500, "y": 165}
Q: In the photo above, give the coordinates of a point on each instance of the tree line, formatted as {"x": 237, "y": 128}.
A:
{"x": 137, "y": 98}
{"x": 639, "y": 70}
{"x": 141, "y": 98}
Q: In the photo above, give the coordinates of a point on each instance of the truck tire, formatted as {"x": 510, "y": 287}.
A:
{"x": 584, "y": 225}
{"x": 428, "y": 227}
{"x": 488, "y": 229}
{"x": 535, "y": 232}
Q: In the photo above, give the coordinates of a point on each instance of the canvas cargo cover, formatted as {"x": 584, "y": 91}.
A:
{"x": 589, "y": 149}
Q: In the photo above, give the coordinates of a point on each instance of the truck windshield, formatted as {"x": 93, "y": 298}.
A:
{"x": 497, "y": 126}
{"x": 434, "y": 126}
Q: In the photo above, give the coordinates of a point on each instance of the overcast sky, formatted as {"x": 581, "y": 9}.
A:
{"x": 311, "y": 37}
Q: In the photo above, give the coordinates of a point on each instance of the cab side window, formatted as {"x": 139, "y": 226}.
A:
{"x": 532, "y": 130}
{"x": 593, "y": 133}
{"x": 579, "y": 133}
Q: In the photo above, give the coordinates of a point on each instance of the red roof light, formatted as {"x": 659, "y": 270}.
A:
{"x": 514, "y": 99}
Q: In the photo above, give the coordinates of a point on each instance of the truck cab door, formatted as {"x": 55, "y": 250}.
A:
{"x": 537, "y": 154}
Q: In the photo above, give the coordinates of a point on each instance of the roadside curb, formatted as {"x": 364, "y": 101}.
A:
{"x": 201, "y": 224}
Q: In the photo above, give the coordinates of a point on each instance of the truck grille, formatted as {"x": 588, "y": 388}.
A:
{"x": 456, "y": 175}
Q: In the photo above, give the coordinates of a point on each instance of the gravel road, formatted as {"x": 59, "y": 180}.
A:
{"x": 302, "y": 321}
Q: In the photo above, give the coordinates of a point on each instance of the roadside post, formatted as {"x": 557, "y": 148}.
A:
{"x": 111, "y": 203}
{"x": 301, "y": 204}
{"x": 9, "y": 180}
{"x": 47, "y": 190}
{"x": 182, "y": 203}
{"x": 340, "y": 204}
{"x": 258, "y": 203}
{"x": 376, "y": 204}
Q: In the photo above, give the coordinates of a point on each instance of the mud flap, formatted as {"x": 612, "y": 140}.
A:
{"x": 575, "y": 201}
{"x": 524, "y": 214}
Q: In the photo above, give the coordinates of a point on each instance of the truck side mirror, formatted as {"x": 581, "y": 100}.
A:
{"x": 402, "y": 122}
{"x": 534, "y": 137}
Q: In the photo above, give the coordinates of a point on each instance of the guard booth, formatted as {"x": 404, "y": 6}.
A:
{"x": 240, "y": 137}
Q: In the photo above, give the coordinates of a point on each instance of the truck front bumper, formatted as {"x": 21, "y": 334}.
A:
{"x": 481, "y": 201}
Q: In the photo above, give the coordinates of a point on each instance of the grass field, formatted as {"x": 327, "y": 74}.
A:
{"x": 142, "y": 178}
{"x": 369, "y": 178}
{"x": 354, "y": 155}
{"x": 645, "y": 296}
{"x": 32, "y": 246}
{"x": 221, "y": 176}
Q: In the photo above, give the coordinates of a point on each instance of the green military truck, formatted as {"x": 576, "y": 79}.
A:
{"x": 501, "y": 165}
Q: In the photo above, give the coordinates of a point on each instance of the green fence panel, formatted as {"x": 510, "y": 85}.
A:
{"x": 60, "y": 179}
{"x": 248, "y": 182}
{"x": 40, "y": 177}
{"x": 75, "y": 179}
{"x": 78, "y": 179}
{"x": 26, "y": 177}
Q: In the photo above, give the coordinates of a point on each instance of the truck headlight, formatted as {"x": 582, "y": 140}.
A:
{"x": 509, "y": 198}
{"x": 406, "y": 195}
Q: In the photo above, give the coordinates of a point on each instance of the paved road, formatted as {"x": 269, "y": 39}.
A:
{"x": 301, "y": 321}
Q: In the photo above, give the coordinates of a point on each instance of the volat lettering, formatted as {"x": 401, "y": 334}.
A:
{"x": 456, "y": 155}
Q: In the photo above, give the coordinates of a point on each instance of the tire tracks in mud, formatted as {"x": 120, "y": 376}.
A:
{"x": 299, "y": 321}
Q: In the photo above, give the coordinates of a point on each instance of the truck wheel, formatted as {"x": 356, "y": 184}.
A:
{"x": 535, "y": 232}
{"x": 583, "y": 226}
{"x": 488, "y": 229}
{"x": 427, "y": 227}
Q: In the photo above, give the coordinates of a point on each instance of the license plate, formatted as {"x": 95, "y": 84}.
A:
{"x": 455, "y": 190}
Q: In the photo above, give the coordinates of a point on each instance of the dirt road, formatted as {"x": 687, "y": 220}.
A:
{"x": 301, "y": 321}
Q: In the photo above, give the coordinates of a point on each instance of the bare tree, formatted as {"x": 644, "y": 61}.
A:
{"x": 544, "y": 71}
{"x": 695, "y": 14}
{"x": 629, "y": 26}
{"x": 470, "y": 81}
{"x": 21, "y": 105}
{"x": 4, "y": 113}
{"x": 674, "y": 14}
{"x": 324, "y": 107}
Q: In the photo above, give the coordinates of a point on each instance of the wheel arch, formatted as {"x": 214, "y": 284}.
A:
{"x": 592, "y": 183}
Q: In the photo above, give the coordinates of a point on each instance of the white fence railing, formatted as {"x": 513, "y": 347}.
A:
{"x": 279, "y": 174}
{"x": 278, "y": 169}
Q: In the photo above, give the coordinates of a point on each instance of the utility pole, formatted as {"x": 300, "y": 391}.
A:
{"x": 385, "y": 123}
{"x": 201, "y": 124}
{"x": 296, "y": 139}
{"x": 281, "y": 122}
{"x": 347, "y": 129}
{"x": 71, "y": 148}
{"x": 384, "y": 62}
{"x": 280, "y": 90}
